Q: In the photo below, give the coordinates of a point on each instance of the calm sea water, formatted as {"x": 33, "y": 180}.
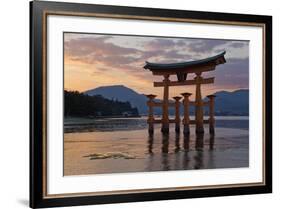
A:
{"x": 123, "y": 145}
{"x": 115, "y": 124}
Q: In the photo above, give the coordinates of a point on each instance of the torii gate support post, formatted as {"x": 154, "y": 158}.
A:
{"x": 165, "y": 106}
{"x": 177, "y": 113}
{"x": 199, "y": 117}
{"x": 150, "y": 119}
{"x": 186, "y": 119}
{"x": 211, "y": 113}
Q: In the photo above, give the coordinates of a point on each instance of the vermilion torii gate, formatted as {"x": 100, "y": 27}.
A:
{"x": 181, "y": 70}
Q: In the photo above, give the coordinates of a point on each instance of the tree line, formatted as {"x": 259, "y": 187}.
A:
{"x": 77, "y": 104}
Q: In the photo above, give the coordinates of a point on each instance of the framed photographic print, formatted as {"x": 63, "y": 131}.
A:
{"x": 140, "y": 104}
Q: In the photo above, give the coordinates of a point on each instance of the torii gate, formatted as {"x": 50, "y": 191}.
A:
{"x": 181, "y": 70}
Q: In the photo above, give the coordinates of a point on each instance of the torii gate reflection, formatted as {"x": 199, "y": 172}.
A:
{"x": 181, "y": 148}
{"x": 181, "y": 70}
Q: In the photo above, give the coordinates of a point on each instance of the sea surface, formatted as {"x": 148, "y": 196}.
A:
{"x": 121, "y": 145}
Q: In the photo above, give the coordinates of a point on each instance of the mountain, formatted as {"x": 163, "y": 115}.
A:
{"x": 226, "y": 103}
{"x": 123, "y": 94}
{"x": 232, "y": 103}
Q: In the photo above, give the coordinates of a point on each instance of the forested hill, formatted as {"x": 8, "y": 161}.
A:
{"x": 81, "y": 105}
{"x": 226, "y": 103}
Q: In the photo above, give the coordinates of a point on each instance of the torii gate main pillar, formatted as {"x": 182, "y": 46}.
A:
{"x": 165, "y": 106}
{"x": 199, "y": 115}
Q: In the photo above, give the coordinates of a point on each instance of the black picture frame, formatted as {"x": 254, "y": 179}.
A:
{"x": 38, "y": 12}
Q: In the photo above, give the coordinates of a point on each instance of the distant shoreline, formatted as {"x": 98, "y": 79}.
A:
{"x": 139, "y": 116}
{"x": 102, "y": 117}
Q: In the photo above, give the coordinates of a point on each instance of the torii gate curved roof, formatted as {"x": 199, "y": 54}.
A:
{"x": 182, "y": 66}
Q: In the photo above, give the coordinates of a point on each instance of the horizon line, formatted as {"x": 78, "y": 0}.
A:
{"x": 121, "y": 85}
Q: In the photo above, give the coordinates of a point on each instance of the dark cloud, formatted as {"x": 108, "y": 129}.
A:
{"x": 97, "y": 47}
{"x": 204, "y": 46}
{"x": 166, "y": 56}
{"x": 98, "y": 50}
{"x": 160, "y": 44}
{"x": 175, "y": 54}
{"x": 238, "y": 44}
{"x": 151, "y": 54}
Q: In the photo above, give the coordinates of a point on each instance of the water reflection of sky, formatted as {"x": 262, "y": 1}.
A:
{"x": 137, "y": 151}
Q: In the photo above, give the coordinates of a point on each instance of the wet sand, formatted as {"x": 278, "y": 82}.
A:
{"x": 135, "y": 151}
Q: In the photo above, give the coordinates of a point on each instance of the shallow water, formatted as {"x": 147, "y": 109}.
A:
{"x": 116, "y": 124}
{"x": 136, "y": 151}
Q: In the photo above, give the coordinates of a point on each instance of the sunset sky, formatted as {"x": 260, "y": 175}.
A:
{"x": 93, "y": 60}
